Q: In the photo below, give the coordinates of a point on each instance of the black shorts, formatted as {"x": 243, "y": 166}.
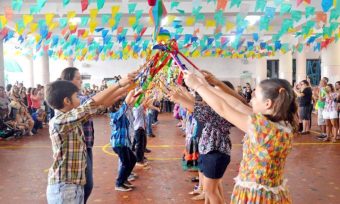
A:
{"x": 213, "y": 164}
{"x": 305, "y": 112}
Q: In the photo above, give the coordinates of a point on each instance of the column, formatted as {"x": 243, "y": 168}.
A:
{"x": 261, "y": 70}
{"x": 2, "y": 64}
{"x": 330, "y": 62}
{"x": 42, "y": 69}
{"x": 286, "y": 61}
{"x": 30, "y": 69}
{"x": 301, "y": 66}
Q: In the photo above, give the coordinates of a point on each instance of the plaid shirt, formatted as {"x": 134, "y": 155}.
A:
{"x": 68, "y": 145}
{"x": 88, "y": 125}
{"x": 120, "y": 128}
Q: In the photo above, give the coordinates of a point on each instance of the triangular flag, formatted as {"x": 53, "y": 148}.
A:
{"x": 100, "y": 4}
{"x": 84, "y": 5}
{"x": 27, "y": 19}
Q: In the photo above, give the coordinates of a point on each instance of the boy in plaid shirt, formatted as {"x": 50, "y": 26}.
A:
{"x": 66, "y": 177}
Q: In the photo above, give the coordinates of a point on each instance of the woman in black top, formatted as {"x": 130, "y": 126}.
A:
{"x": 305, "y": 105}
{"x": 248, "y": 92}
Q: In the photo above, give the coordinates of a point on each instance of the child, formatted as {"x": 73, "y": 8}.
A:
{"x": 24, "y": 121}
{"x": 66, "y": 177}
{"x": 270, "y": 125}
{"x": 38, "y": 118}
{"x": 140, "y": 135}
{"x": 121, "y": 143}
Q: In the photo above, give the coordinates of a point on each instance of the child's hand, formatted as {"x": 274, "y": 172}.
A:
{"x": 192, "y": 80}
{"x": 209, "y": 77}
{"x": 128, "y": 78}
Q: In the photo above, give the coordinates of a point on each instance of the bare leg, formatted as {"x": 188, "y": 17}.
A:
{"x": 220, "y": 189}
{"x": 211, "y": 187}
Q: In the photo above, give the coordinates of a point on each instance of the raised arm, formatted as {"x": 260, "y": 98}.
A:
{"x": 221, "y": 107}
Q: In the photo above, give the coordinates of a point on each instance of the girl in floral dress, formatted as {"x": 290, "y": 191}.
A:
{"x": 269, "y": 126}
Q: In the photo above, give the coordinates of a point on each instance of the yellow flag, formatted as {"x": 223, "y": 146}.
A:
{"x": 37, "y": 38}
{"x": 27, "y": 19}
{"x": 190, "y": 21}
{"x": 171, "y": 19}
{"x": 112, "y": 22}
{"x": 210, "y": 23}
{"x": 93, "y": 13}
{"x": 86, "y": 33}
{"x": 3, "y": 20}
{"x": 33, "y": 27}
{"x": 49, "y": 17}
{"x": 229, "y": 26}
{"x": 132, "y": 20}
{"x": 93, "y": 25}
{"x": 53, "y": 25}
{"x": 71, "y": 14}
{"x": 196, "y": 53}
{"x": 114, "y": 10}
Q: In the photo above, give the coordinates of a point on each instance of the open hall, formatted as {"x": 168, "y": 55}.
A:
{"x": 159, "y": 101}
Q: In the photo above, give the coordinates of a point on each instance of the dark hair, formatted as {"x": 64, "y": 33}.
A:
{"x": 1, "y": 87}
{"x": 331, "y": 86}
{"x": 229, "y": 84}
{"x": 305, "y": 82}
{"x": 57, "y": 91}
{"x": 338, "y": 82}
{"x": 33, "y": 90}
{"x": 8, "y": 87}
{"x": 284, "y": 101}
{"x": 68, "y": 73}
{"x": 326, "y": 79}
{"x": 29, "y": 90}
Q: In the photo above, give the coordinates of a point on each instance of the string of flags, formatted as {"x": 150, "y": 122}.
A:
{"x": 74, "y": 36}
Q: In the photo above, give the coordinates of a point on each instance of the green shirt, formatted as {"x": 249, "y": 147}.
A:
{"x": 321, "y": 104}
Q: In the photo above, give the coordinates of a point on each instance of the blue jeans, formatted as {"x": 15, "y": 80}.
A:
{"x": 128, "y": 161}
{"x": 149, "y": 121}
{"x": 63, "y": 193}
{"x": 89, "y": 175}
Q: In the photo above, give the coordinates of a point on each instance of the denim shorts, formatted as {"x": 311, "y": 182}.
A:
{"x": 63, "y": 193}
{"x": 213, "y": 164}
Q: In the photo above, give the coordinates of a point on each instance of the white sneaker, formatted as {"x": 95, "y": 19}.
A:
{"x": 30, "y": 133}
{"x": 123, "y": 188}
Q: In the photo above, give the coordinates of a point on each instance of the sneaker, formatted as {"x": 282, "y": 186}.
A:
{"x": 131, "y": 178}
{"x": 123, "y": 188}
{"x": 321, "y": 137}
{"x": 155, "y": 123}
{"x": 147, "y": 150}
{"x": 30, "y": 133}
{"x": 128, "y": 184}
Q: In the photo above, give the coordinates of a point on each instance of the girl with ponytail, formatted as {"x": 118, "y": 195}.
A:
{"x": 269, "y": 123}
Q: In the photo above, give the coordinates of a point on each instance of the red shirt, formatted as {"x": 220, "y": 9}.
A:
{"x": 29, "y": 101}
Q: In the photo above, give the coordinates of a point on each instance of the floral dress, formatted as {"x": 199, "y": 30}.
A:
{"x": 265, "y": 149}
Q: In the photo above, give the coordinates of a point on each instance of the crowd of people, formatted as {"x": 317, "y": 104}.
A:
{"x": 22, "y": 111}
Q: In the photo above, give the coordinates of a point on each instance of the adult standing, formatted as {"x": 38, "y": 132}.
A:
{"x": 72, "y": 74}
{"x": 305, "y": 105}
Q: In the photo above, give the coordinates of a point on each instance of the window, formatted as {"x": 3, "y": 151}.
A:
{"x": 273, "y": 69}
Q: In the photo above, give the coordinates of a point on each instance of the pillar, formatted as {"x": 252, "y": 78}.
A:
{"x": 30, "y": 69}
{"x": 2, "y": 64}
{"x": 330, "y": 62}
{"x": 42, "y": 69}
{"x": 301, "y": 66}
{"x": 261, "y": 70}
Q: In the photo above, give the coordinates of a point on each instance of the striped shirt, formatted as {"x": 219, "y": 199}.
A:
{"x": 120, "y": 128}
{"x": 68, "y": 145}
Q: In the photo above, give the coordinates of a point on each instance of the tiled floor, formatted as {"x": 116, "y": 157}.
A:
{"x": 313, "y": 169}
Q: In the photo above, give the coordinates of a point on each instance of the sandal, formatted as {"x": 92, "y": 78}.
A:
{"x": 199, "y": 197}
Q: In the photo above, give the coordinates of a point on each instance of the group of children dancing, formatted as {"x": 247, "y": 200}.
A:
{"x": 269, "y": 123}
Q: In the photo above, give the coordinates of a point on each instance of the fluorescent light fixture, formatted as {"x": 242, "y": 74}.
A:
{"x": 75, "y": 20}
{"x": 252, "y": 19}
